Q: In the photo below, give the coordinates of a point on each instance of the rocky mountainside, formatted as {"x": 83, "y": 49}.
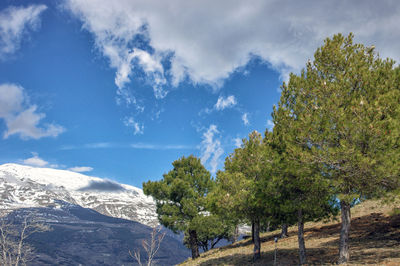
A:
{"x": 82, "y": 236}
{"x": 26, "y": 187}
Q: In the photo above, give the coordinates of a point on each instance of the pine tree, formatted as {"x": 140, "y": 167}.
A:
{"x": 301, "y": 192}
{"x": 210, "y": 229}
{"x": 242, "y": 189}
{"x": 181, "y": 197}
{"x": 344, "y": 108}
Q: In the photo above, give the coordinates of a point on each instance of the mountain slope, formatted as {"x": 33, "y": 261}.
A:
{"x": 82, "y": 236}
{"x": 24, "y": 187}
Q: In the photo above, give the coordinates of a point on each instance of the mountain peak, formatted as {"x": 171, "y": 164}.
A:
{"x": 28, "y": 186}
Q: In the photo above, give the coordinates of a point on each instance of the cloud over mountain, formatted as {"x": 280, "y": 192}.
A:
{"x": 103, "y": 185}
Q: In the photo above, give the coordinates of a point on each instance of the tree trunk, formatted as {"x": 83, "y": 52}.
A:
{"x": 257, "y": 240}
{"x": 300, "y": 236}
{"x": 268, "y": 226}
{"x": 193, "y": 243}
{"x": 252, "y": 231}
{"x": 344, "y": 254}
{"x": 204, "y": 246}
{"x": 213, "y": 243}
{"x": 235, "y": 234}
{"x": 284, "y": 232}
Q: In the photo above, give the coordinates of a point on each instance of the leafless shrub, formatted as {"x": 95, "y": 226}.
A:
{"x": 14, "y": 250}
{"x": 151, "y": 247}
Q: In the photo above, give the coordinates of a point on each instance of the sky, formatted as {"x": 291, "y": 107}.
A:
{"x": 120, "y": 89}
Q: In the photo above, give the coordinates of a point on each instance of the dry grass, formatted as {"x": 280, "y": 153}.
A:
{"x": 374, "y": 240}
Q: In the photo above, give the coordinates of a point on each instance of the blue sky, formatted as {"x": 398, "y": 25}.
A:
{"x": 121, "y": 89}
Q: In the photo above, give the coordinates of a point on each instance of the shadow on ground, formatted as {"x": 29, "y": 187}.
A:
{"x": 374, "y": 238}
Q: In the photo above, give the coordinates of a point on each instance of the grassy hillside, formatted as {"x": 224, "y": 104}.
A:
{"x": 374, "y": 239}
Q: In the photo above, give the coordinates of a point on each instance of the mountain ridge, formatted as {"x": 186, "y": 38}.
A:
{"x": 24, "y": 186}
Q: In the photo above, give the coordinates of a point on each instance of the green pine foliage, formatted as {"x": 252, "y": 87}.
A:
{"x": 181, "y": 197}
{"x": 242, "y": 189}
{"x": 210, "y": 229}
{"x": 345, "y": 107}
{"x": 250, "y": 163}
{"x": 343, "y": 118}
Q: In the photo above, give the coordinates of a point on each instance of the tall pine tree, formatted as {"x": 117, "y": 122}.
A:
{"x": 181, "y": 197}
{"x": 344, "y": 108}
{"x": 248, "y": 166}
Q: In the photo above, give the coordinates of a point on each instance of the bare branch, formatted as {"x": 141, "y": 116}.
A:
{"x": 14, "y": 250}
{"x": 151, "y": 246}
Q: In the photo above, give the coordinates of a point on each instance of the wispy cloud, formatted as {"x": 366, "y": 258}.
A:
{"x": 21, "y": 118}
{"x": 138, "y": 129}
{"x": 81, "y": 169}
{"x": 143, "y": 146}
{"x": 223, "y": 103}
{"x": 211, "y": 148}
{"x": 14, "y": 23}
{"x": 237, "y": 142}
{"x": 99, "y": 145}
{"x": 245, "y": 119}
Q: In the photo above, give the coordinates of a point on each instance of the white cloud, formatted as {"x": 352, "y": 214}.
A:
{"x": 223, "y": 103}
{"x": 11, "y": 99}
{"x": 137, "y": 128}
{"x": 81, "y": 169}
{"x": 270, "y": 125}
{"x": 35, "y": 160}
{"x": 210, "y": 148}
{"x": 115, "y": 30}
{"x": 23, "y": 119}
{"x": 245, "y": 119}
{"x": 15, "y": 23}
{"x": 208, "y": 44}
{"x": 238, "y": 142}
{"x": 26, "y": 125}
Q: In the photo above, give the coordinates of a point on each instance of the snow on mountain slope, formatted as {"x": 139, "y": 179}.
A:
{"x": 26, "y": 186}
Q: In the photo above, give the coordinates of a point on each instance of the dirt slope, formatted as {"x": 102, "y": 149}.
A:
{"x": 374, "y": 240}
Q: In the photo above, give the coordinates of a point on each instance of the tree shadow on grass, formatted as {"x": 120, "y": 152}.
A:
{"x": 248, "y": 242}
{"x": 315, "y": 256}
{"x": 373, "y": 238}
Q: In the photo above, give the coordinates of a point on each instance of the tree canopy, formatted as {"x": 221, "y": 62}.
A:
{"x": 344, "y": 108}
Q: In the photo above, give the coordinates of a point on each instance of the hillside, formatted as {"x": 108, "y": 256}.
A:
{"x": 82, "y": 236}
{"x": 374, "y": 240}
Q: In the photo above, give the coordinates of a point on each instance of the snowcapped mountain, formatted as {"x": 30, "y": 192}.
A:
{"x": 24, "y": 187}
